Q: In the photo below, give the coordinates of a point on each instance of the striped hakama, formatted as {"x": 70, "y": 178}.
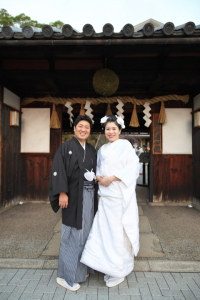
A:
{"x": 73, "y": 241}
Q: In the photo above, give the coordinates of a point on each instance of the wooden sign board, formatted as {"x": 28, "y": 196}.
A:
{"x": 157, "y": 135}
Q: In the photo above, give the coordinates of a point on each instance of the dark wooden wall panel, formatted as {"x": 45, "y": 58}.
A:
{"x": 196, "y": 166}
{"x": 34, "y": 176}
{"x": 165, "y": 187}
{"x": 172, "y": 178}
{"x": 10, "y": 163}
{"x": 36, "y": 167}
{"x": 1, "y": 100}
{"x": 55, "y": 141}
{"x": 157, "y": 177}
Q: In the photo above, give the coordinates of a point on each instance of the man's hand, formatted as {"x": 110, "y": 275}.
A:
{"x": 63, "y": 200}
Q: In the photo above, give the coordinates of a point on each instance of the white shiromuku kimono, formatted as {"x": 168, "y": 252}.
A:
{"x": 114, "y": 237}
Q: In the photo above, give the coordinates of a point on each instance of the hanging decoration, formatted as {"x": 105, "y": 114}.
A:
{"x": 96, "y": 101}
{"x": 120, "y": 109}
{"x": 55, "y": 122}
{"x": 105, "y": 82}
{"x": 147, "y": 116}
{"x": 69, "y": 111}
{"x": 82, "y": 111}
{"x": 89, "y": 110}
{"x": 134, "y": 118}
{"x": 108, "y": 111}
{"x": 110, "y": 100}
{"x": 162, "y": 117}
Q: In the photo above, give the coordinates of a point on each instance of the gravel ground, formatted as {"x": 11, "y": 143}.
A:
{"x": 178, "y": 229}
{"x": 26, "y": 229}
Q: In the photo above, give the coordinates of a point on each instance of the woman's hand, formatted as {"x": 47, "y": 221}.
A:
{"x": 99, "y": 178}
{"x": 105, "y": 181}
{"x": 63, "y": 200}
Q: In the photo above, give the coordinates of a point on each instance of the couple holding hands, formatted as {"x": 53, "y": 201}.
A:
{"x": 96, "y": 235}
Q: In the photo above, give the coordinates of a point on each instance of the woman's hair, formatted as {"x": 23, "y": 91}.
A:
{"x": 83, "y": 118}
{"x": 111, "y": 118}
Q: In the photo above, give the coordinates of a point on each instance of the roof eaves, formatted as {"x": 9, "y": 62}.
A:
{"x": 128, "y": 31}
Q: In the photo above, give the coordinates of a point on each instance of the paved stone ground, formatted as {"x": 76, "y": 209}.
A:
{"x": 23, "y": 284}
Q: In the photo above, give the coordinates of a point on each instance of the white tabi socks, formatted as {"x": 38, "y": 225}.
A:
{"x": 63, "y": 283}
{"x": 112, "y": 281}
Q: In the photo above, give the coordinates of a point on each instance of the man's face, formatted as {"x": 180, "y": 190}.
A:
{"x": 82, "y": 130}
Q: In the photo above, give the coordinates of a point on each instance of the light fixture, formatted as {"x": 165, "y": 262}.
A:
{"x": 14, "y": 118}
{"x": 197, "y": 118}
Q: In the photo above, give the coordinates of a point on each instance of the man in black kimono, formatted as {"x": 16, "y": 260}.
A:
{"x": 72, "y": 187}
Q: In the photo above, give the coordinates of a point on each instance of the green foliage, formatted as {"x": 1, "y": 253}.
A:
{"x": 32, "y": 23}
{"x": 58, "y": 24}
{"x": 5, "y": 18}
{"x": 21, "y": 20}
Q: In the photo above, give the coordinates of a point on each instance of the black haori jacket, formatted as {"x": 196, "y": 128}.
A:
{"x": 67, "y": 175}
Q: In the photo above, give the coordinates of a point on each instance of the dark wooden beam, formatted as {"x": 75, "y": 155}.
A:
{"x": 25, "y": 64}
{"x": 78, "y": 64}
{"x": 158, "y": 81}
{"x": 105, "y": 42}
{"x": 1, "y": 101}
{"x": 63, "y": 52}
{"x": 80, "y": 93}
{"x": 50, "y": 56}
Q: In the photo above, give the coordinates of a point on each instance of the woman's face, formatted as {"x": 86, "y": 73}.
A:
{"x": 112, "y": 131}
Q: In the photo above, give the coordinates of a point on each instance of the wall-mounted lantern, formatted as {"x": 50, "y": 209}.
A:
{"x": 14, "y": 118}
{"x": 197, "y": 118}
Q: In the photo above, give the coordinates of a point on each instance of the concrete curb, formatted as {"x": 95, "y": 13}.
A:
{"x": 142, "y": 266}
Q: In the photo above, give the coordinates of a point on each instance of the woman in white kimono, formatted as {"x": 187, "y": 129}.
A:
{"x": 114, "y": 237}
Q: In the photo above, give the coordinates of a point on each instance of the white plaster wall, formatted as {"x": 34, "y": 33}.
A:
{"x": 197, "y": 102}
{"x": 11, "y": 99}
{"x": 177, "y": 132}
{"x": 35, "y": 130}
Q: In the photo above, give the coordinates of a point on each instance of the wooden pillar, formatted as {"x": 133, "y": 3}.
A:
{"x": 56, "y": 135}
{"x": 1, "y": 101}
{"x": 156, "y": 150}
{"x": 196, "y": 165}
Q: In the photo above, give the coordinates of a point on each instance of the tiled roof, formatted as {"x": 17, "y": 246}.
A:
{"x": 168, "y": 29}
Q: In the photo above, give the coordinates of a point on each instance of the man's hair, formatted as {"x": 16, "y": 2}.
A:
{"x": 83, "y": 118}
{"x": 111, "y": 118}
